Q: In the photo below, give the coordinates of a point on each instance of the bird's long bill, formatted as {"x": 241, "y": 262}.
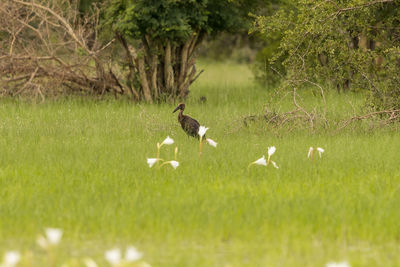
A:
{"x": 176, "y": 109}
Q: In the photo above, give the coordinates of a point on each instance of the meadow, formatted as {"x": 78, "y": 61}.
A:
{"x": 80, "y": 165}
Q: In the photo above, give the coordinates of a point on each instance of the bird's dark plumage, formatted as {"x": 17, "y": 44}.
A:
{"x": 189, "y": 125}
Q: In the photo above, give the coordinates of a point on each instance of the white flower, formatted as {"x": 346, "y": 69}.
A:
{"x": 261, "y": 161}
{"x": 53, "y": 235}
{"x": 151, "y": 161}
{"x": 174, "y": 164}
{"x": 337, "y": 264}
{"x": 271, "y": 150}
{"x": 274, "y": 164}
{"x": 167, "y": 141}
{"x": 11, "y": 258}
{"x": 310, "y": 151}
{"x": 212, "y": 142}
{"x": 90, "y": 262}
{"x": 132, "y": 254}
{"x": 202, "y": 131}
{"x": 320, "y": 151}
{"x": 113, "y": 256}
{"x": 42, "y": 242}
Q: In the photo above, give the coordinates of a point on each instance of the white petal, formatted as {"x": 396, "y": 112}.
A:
{"x": 174, "y": 164}
{"x": 132, "y": 254}
{"x": 11, "y": 258}
{"x": 274, "y": 164}
{"x": 151, "y": 162}
{"x": 90, "y": 262}
{"x": 202, "y": 130}
{"x": 320, "y": 151}
{"x": 168, "y": 141}
{"x": 310, "y": 151}
{"x": 42, "y": 242}
{"x": 113, "y": 256}
{"x": 337, "y": 264}
{"x": 212, "y": 142}
{"x": 261, "y": 161}
{"x": 271, "y": 150}
{"x": 53, "y": 235}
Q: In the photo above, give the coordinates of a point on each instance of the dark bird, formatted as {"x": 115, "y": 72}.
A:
{"x": 189, "y": 125}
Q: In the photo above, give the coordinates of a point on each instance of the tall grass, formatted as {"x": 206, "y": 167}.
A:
{"x": 81, "y": 166}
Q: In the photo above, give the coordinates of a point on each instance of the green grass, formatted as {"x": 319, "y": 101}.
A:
{"x": 81, "y": 166}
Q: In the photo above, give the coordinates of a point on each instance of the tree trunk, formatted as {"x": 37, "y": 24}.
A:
{"x": 164, "y": 70}
{"x": 143, "y": 79}
{"x": 168, "y": 71}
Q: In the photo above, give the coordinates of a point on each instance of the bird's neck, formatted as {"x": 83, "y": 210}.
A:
{"x": 181, "y": 113}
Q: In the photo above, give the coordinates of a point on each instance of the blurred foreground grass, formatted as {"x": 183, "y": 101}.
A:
{"x": 81, "y": 166}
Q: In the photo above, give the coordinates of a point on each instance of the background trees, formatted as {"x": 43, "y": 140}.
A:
{"x": 158, "y": 40}
{"x": 148, "y": 49}
{"x": 342, "y": 44}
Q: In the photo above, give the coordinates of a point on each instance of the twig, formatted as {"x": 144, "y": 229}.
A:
{"x": 364, "y": 5}
{"x": 105, "y": 46}
{"x": 197, "y": 76}
{"x": 28, "y": 82}
{"x": 366, "y": 116}
{"x": 60, "y": 19}
{"x": 320, "y": 87}
{"x": 302, "y": 109}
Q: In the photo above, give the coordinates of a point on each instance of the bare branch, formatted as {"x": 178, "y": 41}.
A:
{"x": 395, "y": 113}
{"x": 60, "y": 19}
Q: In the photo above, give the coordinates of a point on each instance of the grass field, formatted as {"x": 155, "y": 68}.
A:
{"x": 81, "y": 166}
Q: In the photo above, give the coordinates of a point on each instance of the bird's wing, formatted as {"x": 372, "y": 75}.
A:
{"x": 191, "y": 125}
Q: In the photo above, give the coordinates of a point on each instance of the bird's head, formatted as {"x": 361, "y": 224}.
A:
{"x": 181, "y": 106}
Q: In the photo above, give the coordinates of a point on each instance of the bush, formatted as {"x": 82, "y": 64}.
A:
{"x": 346, "y": 46}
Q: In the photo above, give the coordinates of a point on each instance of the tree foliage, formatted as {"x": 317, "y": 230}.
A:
{"x": 344, "y": 44}
{"x": 161, "y": 37}
{"x": 147, "y": 48}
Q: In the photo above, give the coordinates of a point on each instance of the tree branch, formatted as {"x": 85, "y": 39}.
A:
{"x": 60, "y": 19}
{"x": 364, "y": 5}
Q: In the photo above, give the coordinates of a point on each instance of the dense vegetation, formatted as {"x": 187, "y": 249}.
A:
{"x": 145, "y": 49}
{"x": 339, "y": 44}
{"x": 148, "y": 49}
